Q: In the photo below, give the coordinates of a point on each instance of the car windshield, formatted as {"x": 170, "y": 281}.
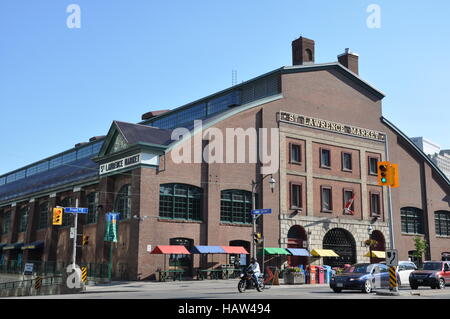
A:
{"x": 358, "y": 269}
{"x": 432, "y": 266}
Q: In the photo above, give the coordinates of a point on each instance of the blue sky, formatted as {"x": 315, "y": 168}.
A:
{"x": 61, "y": 86}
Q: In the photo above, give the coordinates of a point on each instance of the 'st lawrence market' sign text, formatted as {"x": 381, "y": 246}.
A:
{"x": 331, "y": 126}
{"x": 119, "y": 164}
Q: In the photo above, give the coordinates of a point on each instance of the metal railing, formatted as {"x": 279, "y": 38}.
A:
{"x": 30, "y": 283}
{"x": 52, "y": 268}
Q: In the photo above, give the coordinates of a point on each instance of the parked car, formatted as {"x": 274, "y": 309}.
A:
{"x": 435, "y": 274}
{"x": 404, "y": 269}
{"x": 365, "y": 277}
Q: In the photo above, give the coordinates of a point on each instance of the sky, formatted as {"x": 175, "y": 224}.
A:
{"x": 61, "y": 85}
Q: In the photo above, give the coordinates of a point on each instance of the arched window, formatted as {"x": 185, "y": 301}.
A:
{"x": 180, "y": 201}
{"x": 309, "y": 55}
{"x": 442, "y": 222}
{"x": 343, "y": 244}
{"x": 123, "y": 202}
{"x": 236, "y": 206}
{"x": 411, "y": 220}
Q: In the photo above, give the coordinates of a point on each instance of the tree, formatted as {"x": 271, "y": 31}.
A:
{"x": 421, "y": 247}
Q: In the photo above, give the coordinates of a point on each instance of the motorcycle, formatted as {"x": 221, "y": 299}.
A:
{"x": 246, "y": 281}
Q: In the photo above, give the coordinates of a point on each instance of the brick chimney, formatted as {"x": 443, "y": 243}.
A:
{"x": 349, "y": 60}
{"x": 302, "y": 51}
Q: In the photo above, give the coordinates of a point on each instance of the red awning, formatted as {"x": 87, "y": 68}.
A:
{"x": 235, "y": 250}
{"x": 172, "y": 249}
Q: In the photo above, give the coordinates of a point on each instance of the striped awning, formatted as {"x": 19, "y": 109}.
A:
{"x": 376, "y": 254}
{"x": 323, "y": 253}
{"x": 170, "y": 250}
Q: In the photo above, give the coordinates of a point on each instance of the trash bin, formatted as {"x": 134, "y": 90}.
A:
{"x": 328, "y": 273}
{"x": 320, "y": 278}
{"x": 311, "y": 269}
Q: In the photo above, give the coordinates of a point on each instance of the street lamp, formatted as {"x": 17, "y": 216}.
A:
{"x": 272, "y": 183}
{"x": 369, "y": 230}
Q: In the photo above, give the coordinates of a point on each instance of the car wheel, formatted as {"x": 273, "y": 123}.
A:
{"x": 441, "y": 284}
{"x": 367, "y": 287}
{"x": 414, "y": 287}
{"x": 337, "y": 290}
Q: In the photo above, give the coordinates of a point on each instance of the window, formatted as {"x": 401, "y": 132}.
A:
{"x": 6, "y": 223}
{"x": 347, "y": 161}
{"x": 326, "y": 199}
{"x": 123, "y": 202}
{"x": 374, "y": 204}
{"x": 411, "y": 220}
{"x": 295, "y": 151}
{"x": 348, "y": 195}
{"x": 23, "y": 219}
{"x": 296, "y": 196}
{"x": 92, "y": 203}
{"x": 325, "y": 159}
{"x": 180, "y": 201}
{"x": 442, "y": 223}
{"x": 43, "y": 216}
{"x": 373, "y": 166}
{"x": 235, "y": 206}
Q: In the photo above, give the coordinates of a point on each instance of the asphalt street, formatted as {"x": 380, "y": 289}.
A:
{"x": 227, "y": 289}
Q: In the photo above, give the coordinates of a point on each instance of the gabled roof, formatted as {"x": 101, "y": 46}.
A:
{"x": 417, "y": 149}
{"x": 135, "y": 133}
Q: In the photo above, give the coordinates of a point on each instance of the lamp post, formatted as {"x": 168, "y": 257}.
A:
{"x": 272, "y": 183}
{"x": 369, "y": 230}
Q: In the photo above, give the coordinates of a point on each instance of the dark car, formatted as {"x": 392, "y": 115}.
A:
{"x": 364, "y": 277}
{"x": 435, "y": 274}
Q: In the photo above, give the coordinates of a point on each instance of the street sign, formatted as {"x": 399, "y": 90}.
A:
{"x": 262, "y": 211}
{"x": 391, "y": 257}
{"x": 72, "y": 232}
{"x": 28, "y": 270}
{"x": 75, "y": 210}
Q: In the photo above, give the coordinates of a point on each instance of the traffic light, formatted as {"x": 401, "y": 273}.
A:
{"x": 57, "y": 215}
{"x": 384, "y": 173}
{"x": 257, "y": 238}
{"x": 85, "y": 240}
{"x": 388, "y": 174}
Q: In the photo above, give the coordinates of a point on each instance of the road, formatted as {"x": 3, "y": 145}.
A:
{"x": 227, "y": 289}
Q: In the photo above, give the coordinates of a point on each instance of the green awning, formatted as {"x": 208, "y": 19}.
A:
{"x": 276, "y": 251}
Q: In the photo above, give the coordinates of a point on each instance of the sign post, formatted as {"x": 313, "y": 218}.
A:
{"x": 75, "y": 210}
{"x": 392, "y": 263}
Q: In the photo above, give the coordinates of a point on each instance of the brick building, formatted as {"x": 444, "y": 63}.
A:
{"x": 331, "y": 135}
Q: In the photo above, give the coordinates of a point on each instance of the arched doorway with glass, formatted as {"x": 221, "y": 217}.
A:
{"x": 297, "y": 238}
{"x": 342, "y": 243}
{"x": 183, "y": 262}
{"x": 379, "y": 245}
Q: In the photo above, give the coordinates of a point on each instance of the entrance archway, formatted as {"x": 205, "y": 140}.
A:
{"x": 297, "y": 238}
{"x": 380, "y": 246}
{"x": 343, "y": 244}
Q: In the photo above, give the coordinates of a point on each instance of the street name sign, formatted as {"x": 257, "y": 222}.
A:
{"x": 262, "y": 211}
{"x": 76, "y": 210}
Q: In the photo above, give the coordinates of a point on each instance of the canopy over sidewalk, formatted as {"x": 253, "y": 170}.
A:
{"x": 376, "y": 254}
{"x": 170, "y": 249}
{"x": 235, "y": 250}
{"x": 208, "y": 250}
{"x": 323, "y": 253}
{"x": 299, "y": 252}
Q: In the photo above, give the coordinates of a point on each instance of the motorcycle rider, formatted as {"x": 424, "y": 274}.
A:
{"x": 254, "y": 266}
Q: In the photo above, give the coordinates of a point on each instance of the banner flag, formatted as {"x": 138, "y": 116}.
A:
{"x": 111, "y": 230}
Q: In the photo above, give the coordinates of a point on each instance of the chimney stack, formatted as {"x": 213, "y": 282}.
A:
{"x": 302, "y": 51}
{"x": 349, "y": 60}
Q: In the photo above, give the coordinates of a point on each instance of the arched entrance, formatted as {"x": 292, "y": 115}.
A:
{"x": 182, "y": 261}
{"x": 380, "y": 245}
{"x": 239, "y": 260}
{"x": 297, "y": 238}
{"x": 343, "y": 244}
